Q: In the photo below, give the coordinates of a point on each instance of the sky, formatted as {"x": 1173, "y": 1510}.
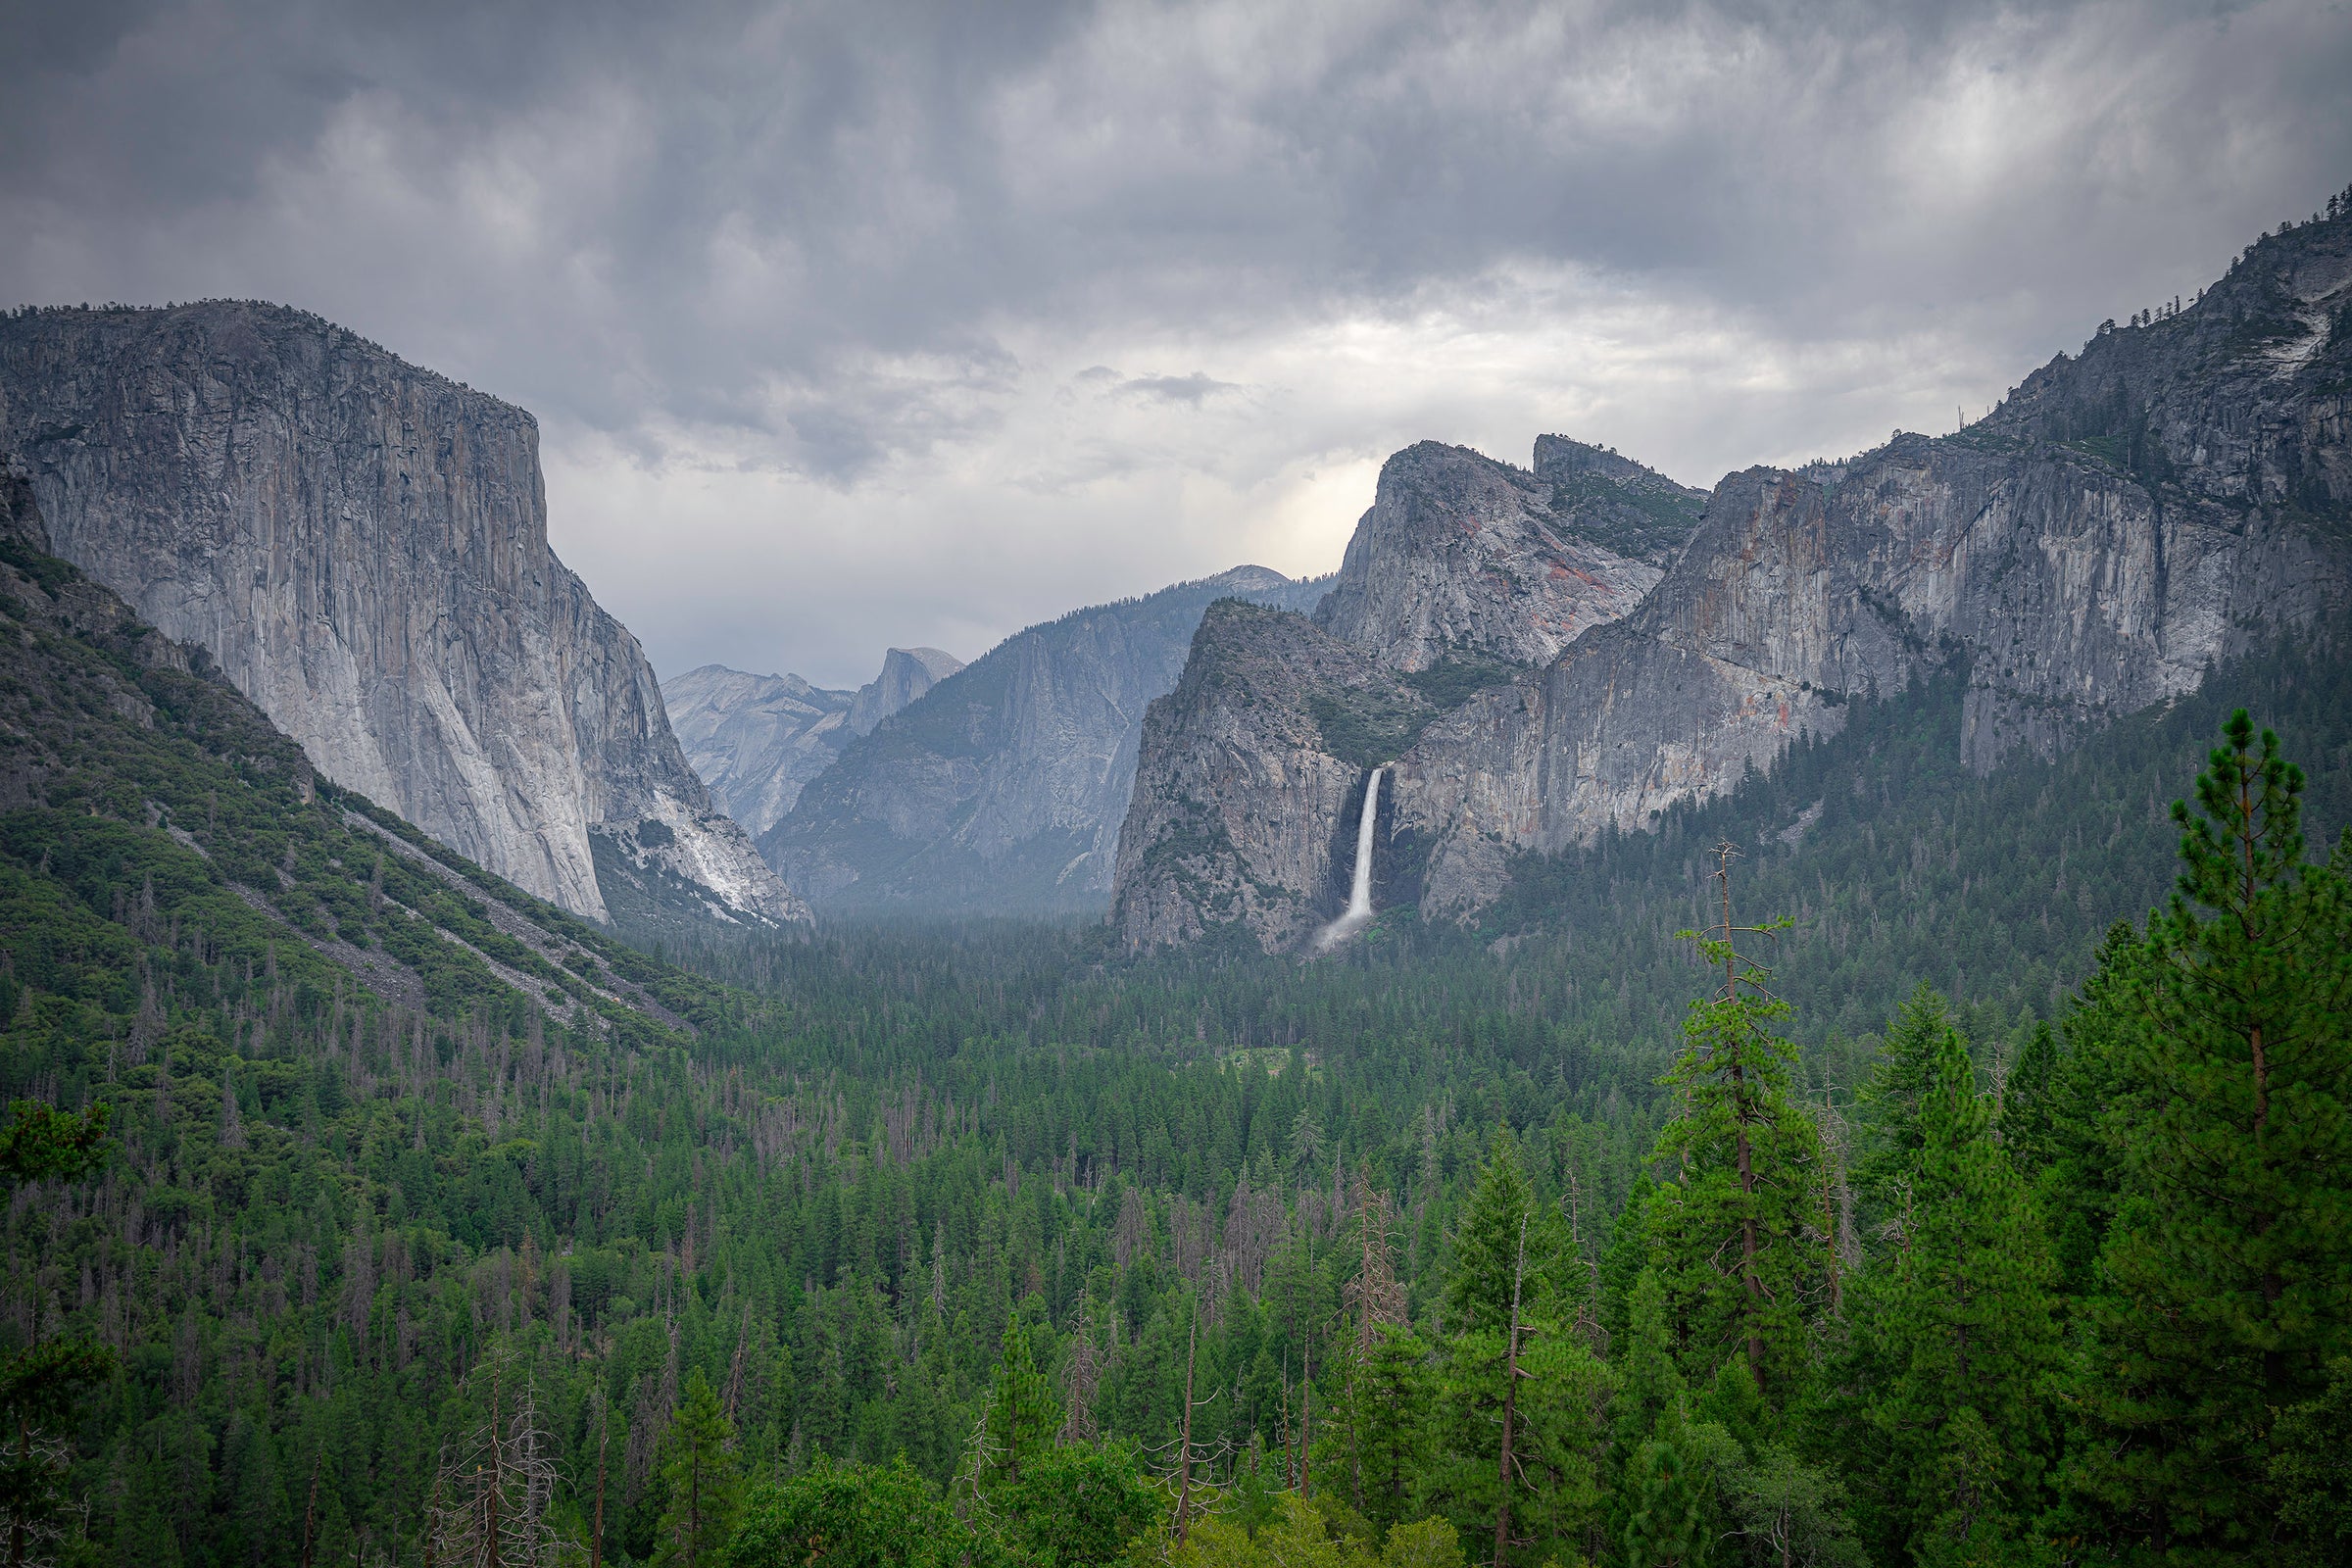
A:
{"x": 860, "y": 324}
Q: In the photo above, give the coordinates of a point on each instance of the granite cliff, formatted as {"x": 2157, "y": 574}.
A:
{"x": 1000, "y": 790}
{"x": 757, "y": 740}
{"x": 1464, "y": 558}
{"x": 2177, "y": 493}
{"x": 361, "y": 546}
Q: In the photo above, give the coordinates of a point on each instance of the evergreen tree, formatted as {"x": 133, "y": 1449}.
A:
{"x": 1668, "y": 1523}
{"x": 1960, "y": 1335}
{"x": 1894, "y": 1095}
{"x": 1392, "y": 1410}
{"x": 1732, "y": 1239}
{"x": 1022, "y": 1414}
{"x": 703, "y": 1480}
{"x": 1520, "y": 1393}
{"x": 2225, "y": 1278}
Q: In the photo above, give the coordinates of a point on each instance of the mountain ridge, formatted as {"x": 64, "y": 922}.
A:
{"x": 361, "y": 545}
{"x": 2170, "y": 499}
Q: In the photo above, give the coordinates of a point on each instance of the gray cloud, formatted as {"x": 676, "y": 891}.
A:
{"x": 811, "y": 298}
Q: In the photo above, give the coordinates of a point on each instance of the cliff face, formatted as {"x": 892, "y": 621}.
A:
{"x": 907, "y": 674}
{"x": 1464, "y": 556}
{"x": 1241, "y": 813}
{"x": 1001, "y": 789}
{"x": 2179, "y": 494}
{"x": 361, "y": 546}
{"x": 757, "y": 740}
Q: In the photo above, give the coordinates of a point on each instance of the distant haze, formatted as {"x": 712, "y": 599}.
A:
{"x": 864, "y": 325}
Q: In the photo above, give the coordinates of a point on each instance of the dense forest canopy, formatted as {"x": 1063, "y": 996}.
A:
{"x": 1992, "y": 1209}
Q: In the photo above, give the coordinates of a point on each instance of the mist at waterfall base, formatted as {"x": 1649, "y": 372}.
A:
{"x": 1360, "y": 893}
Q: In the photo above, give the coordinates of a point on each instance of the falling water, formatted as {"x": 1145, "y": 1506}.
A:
{"x": 1360, "y": 895}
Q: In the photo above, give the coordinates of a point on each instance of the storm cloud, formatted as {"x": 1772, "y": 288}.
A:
{"x": 857, "y": 324}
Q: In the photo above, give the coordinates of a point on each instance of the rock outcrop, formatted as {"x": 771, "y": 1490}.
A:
{"x": 1244, "y": 809}
{"x": 1001, "y": 789}
{"x": 907, "y": 674}
{"x": 757, "y": 740}
{"x": 1464, "y": 557}
{"x": 361, "y": 545}
{"x": 2179, "y": 494}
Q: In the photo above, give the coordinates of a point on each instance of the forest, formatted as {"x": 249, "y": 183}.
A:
{"x": 1880, "y": 1164}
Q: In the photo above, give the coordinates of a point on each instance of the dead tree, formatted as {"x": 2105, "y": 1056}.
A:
{"x": 496, "y": 1483}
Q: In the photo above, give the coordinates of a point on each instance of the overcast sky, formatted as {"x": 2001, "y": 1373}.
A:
{"x": 868, "y": 323}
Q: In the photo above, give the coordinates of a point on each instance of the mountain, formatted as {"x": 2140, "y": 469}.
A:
{"x": 1466, "y": 559}
{"x": 755, "y": 740}
{"x": 2178, "y": 495}
{"x": 907, "y": 674}
{"x": 156, "y": 827}
{"x": 1000, "y": 790}
{"x": 362, "y": 547}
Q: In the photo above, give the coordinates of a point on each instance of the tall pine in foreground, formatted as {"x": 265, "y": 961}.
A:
{"x": 1732, "y": 1238}
{"x": 1957, "y": 1334}
{"x": 2223, "y": 1288}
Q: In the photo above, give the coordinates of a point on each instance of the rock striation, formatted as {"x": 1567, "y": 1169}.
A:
{"x": 757, "y": 740}
{"x": 1001, "y": 789}
{"x": 361, "y": 545}
{"x": 2177, "y": 493}
{"x": 1461, "y": 557}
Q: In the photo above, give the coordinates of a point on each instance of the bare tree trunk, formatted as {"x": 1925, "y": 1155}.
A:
{"x": 1510, "y": 1402}
{"x": 1184, "y": 1458}
{"x": 309, "y": 1514}
{"x": 604, "y": 1438}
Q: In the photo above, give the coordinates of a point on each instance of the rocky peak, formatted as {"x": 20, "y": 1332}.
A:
{"x": 1462, "y": 558}
{"x": 361, "y": 545}
{"x": 756, "y": 739}
{"x": 1001, "y": 789}
{"x": 2178, "y": 496}
{"x": 907, "y": 674}
{"x": 1615, "y": 502}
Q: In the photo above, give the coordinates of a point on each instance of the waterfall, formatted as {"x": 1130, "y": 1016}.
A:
{"x": 1359, "y": 893}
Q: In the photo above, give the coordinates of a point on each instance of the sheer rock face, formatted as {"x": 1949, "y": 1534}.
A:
{"x": 907, "y": 674}
{"x": 363, "y": 546}
{"x": 2179, "y": 494}
{"x": 1464, "y": 556}
{"x": 1241, "y": 813}
{"x": 757, "y": 740}
{"x": 1000, "y": 790}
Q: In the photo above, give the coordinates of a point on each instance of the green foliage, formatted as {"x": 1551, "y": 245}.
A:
{"x": 893, "y": 1180}
{"x": 1370, "y": 727}
{"x": 1732, "y": 1237}
{"x": 2223, "y": 1281}
{"x": 854, "y": 1516}
{"x": 1957, "y": 1336}
{"x": 41, "y": 1143}
{"x": 700, "y": 1474}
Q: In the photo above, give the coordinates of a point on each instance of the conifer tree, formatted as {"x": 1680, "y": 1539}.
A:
{"x": 704, "y": 1485}
{"x": 1391, "y": 1409}
{"x": 1732, "y": 1239}
{"x": 1022, "y": 1414}
{"x": 1960, "y": 1335}
{"x": 1521, "y": 1392}
{"x": 2226, "y": 1280}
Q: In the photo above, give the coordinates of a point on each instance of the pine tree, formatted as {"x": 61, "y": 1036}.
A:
{"x": 705, "y": 1488}
{"x": 1392, "y": 1410}
{"x": 1521, "y": 1392}
{"x": 1900, "y": 1083}
{"x": 1733, "y": 1239}
{"x": 1960, "y": 1334}
{"x": 2225, "y": 1278}
{"x": 1022, "y": 1414}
